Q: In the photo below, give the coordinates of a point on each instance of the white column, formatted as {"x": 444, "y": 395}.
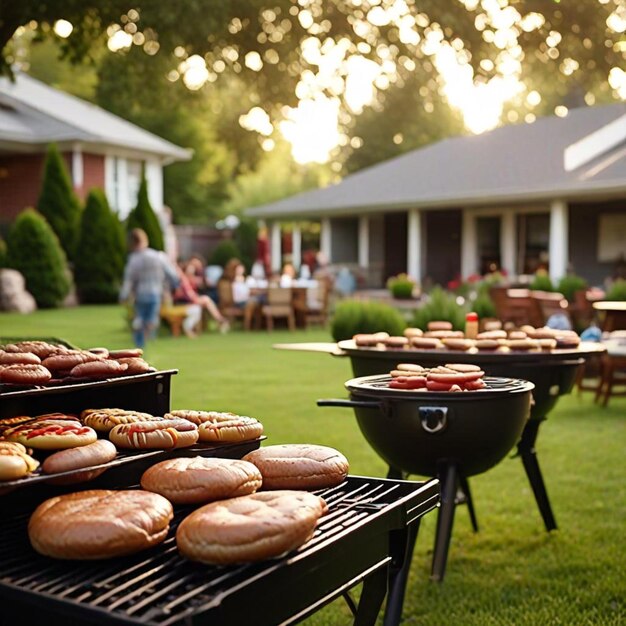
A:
{"x": 414, "y": 238}
{"x": 124, "y": 202}
{"x": 507, "y": 242}
{"x": 559, "y": 234}
{"x": 326, "y": 238}
{"x": 469, "y": 244}
{"x": 154, "y": 178}
{"x": 296, "y": 246}
{"x": 276, "y": 259}
{"x": 364, "y": 241}
{"x": 78, "y": 170}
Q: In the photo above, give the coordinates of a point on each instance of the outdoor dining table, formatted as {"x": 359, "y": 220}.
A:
{"x": 614, "y": 313}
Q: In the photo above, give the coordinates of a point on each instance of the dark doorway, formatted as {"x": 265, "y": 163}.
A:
{"x": 443, "y": 245}
{"x": 488, "y": 236}
{"x": 395, "y": 244}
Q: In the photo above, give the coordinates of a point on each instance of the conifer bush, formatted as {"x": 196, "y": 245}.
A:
{"x": 143, "y": 216}
{"x": 99, "y": 261}
{"x": 58, "y": 203}
{"x": 3, "y": 253}
{"x": 34, "y": 250}
{"x": 226, "y": 250}
{"x": 440, "y": 306}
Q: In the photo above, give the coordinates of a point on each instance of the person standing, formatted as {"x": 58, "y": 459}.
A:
{"x": 146, "y": 272}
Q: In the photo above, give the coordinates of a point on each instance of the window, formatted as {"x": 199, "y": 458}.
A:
{"x": 533, "y": 242}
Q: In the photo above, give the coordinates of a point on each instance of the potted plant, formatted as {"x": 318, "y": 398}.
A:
{"x": 401, "y": 286}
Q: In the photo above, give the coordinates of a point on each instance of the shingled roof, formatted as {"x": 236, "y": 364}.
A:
{"x": 33, "y": 114}
{"x": 509, "y": 164}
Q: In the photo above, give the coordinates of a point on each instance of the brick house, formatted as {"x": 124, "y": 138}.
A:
{"x": 100, "y": 149}
{"x": 521, "y": 196}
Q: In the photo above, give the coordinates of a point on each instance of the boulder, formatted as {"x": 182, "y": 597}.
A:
{"x": 13, "y": 294}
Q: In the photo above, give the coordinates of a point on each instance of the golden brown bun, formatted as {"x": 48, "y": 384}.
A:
{"x": 99, "y": 524}
{"x": 439, "y": 325}
{"x": 426, "y": 343}
{"x": 97, "y": 453}
{"x": 104, "y": 420}
{"x": 14, "y": 461}
{"x": 218, "y": 427}
{"x": 413, "y": 332}
{"x": 299, "y": 466}
{"x": 492, "y": 334}
{"x": 51, "y": 434}
{"x": 445, "y": 334}
{"x": 156, "y": 435}
{"x": 458, "y": 344}
{"x": 487, "y": 344}
{"x": 11, "y": 358}
{"x": 198, "y": 480}
{"x": 250, "y": 528}
{"x": 25, "y": 374}
{"x": 99, "y": 369}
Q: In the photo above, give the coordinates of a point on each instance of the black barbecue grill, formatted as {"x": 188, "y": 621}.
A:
{"x": 363, "y": 538}
{"x": 452, "y": 435}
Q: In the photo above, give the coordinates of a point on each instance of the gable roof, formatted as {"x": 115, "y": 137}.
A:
{"x": 509, "y": 164}
{"x": 34, "y": 113}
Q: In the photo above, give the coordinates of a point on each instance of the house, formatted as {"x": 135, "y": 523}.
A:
{"x": 101, "y": 149}
{"x": 546, "y": 194}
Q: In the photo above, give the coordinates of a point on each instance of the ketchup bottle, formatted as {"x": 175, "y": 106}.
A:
{"x": 471, "y": 325}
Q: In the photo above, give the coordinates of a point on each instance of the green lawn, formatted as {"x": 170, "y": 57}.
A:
{"x": 511, "y": 572}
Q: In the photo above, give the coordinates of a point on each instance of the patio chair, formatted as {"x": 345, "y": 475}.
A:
{"x": 279, "y": 305}
{"x": 229, "y": 310}
{"x": 313, "y": 309}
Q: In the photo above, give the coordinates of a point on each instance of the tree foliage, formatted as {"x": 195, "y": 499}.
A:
{"x": 143, "y": 216}
{"x": 99, "y": 259}
{"x": 3, "y": 253}
{"x": 34, "y": 250}
{"x": 58, "y": 202}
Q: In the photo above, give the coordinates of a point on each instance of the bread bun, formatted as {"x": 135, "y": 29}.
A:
{"x": 99, "y": 369}
{"x": 155, "y": 435}
{"x": 439, "y": 325}
{"x": 299, "y": 466}
{"x": 103, "y": 420}
{"x": 223, "y": 427}
{"x": 250, "y": 528}
{"x": 99, "y": 524}
{"x": 14, "y": 461}
{"x": 198, "y": 480}
{"x": 97, "y": 453}
{"x": 51, "y": 434}
{"x": 25, "y": 374}
{"x": 426, "y": 343}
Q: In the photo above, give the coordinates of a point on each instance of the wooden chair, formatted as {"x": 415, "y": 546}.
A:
{"x": 227, "y": 306}
{"x": 613, "y": 374}
{"x": 279, "y": 305}
{"x": 314, "y": 310}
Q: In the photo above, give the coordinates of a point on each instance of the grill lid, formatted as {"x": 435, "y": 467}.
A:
{"x": 378, "y": 387}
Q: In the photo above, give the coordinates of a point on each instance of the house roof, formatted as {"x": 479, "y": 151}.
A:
{"x": 34, "y": 113}
{"x": 516, "y": 163}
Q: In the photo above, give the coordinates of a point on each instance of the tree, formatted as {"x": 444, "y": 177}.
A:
{"x": 99, "y": 259}
{"x": 58, "y": 202}
{"x": 3, "y": 253}
{"x": 142, "y": 216}
{"x": 34, "y": 250}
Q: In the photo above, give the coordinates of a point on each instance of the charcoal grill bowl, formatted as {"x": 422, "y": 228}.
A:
{"x": 419, "y": 432}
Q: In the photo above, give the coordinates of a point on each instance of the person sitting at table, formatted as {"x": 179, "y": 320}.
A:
{"x": 234, "y": 283}
{"x": 288, "y": 275}
{"x": 185, "y": 293}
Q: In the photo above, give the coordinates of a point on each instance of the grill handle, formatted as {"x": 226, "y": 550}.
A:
{"x": 351, "y": 404}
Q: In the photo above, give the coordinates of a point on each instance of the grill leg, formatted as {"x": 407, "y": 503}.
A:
{"x": 399, "y": 574}
{"x": 395, "y": 473}
{"x": 465, "y": 488}
{"x": 372, "y": 596}
{"x": 526, "y": 449}
{"x": 445, "y": 519}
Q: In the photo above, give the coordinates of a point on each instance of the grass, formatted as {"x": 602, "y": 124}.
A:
{"x": 510, "y": 573}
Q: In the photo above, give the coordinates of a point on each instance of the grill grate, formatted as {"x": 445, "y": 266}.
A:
{"x": 380, "y": 384}
{"x": 160, "y": 587}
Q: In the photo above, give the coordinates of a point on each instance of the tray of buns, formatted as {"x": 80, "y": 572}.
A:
{"x": 131, "y": 462}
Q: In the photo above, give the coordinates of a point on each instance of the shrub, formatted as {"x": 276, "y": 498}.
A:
{"x": 58, "y": 203}
{"x": 246, "y": 241}
{"x": 617, "y": 290}
{"x": 570, "y": 284}
{"x": 354, "y": 316}
{"x": 401, "y": 286}
{"x": 3, "y": 253}
{"x": 542, "y": 281}
{"x": 142, "y": 216}
{"x": 98, "y": 267}
{"x": 440, "y": 306}
{"x": 226, "y": 250}
{"x": 34, "y": 250}
{"x": 483, "y": 305}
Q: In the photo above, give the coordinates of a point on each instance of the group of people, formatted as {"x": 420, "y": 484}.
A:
{"x": 148, "y": 273}
{"x": 193, "y": 284}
